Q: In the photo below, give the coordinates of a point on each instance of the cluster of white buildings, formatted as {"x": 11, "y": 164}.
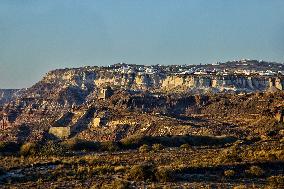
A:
{"x": 213, "y": 69}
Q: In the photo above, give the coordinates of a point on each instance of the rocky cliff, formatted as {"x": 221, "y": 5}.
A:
{"x": 86, "y": 80}
{"x": 65, "y": 88}
{"x": 7, "y": 94}
{"x": 147, "y": 98}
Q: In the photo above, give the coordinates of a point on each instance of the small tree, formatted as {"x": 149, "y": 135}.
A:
{"x": 164, "y": 174}
{"x": 229, "y": 173}
{"x": 144, "y": 148}
{"x": 141, "y": 173}
{"x": 185, "y": 147}
{"x": 255, "y": 171}
{"x": 28, "y": 148}
{"x": 157, "y": 147}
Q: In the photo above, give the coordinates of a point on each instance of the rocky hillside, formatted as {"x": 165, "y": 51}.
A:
{"x": 119, "y": 101}
{"x": 7, "y": 95}
{"x": 75, "y": 86}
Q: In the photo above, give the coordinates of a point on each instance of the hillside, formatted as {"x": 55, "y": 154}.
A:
{"x": 135, "y": 126}
{"x": 160, "y": 102}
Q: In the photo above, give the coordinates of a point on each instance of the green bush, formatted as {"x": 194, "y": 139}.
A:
{"x": 117, "y": 184}
{"x": 120, "y": 169}
{"x": 275, "y": 182}
{"x": 79, "y": 145}
{"x": 70, "y": 144}
{"x": 164, "y": 174}
{"x": 28, "y": 148}
{"x": 229, "y": 173}
{"x": 9, "y": 148}
{"x": 253, "y": 139}
{"x": 185, "y": 147}
{"x": 144, "y": 148}
{"x": 233, "y": 154}
{"x": 157, "y": 147}
{"x": 255, "y": 171}
{"x": 53, "y": 149}
{"x": 132, "y": 142}
{"x": 141, "y": 173}
{"x": 109, "y": 146}
{"x": 175, "y": 141}
{"x": 241, "y": 187}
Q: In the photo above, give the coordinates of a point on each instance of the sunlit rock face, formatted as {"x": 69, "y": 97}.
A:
{"x": 66, "y": 88}
{"x": 83, "y": 92}
{"x": 189, "y": 82}
{"x": 60, "y": 132}
{"x": 75, "y": 85}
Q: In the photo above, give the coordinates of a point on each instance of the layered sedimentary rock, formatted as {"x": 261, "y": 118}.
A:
{"x": 111, "y": 103}
{"x": 90, "y": 79}
{"x": 66, "y": 88}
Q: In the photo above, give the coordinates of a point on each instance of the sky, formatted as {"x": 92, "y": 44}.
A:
{"x": 37, "y": 36}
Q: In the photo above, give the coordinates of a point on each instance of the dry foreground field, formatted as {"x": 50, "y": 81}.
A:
{"x": 146, "y": 162}
{"x": 188, "y": 141}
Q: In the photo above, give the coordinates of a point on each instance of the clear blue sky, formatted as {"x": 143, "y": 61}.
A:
{"x": 39, "y": 35}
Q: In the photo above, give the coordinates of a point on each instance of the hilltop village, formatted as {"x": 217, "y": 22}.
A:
{"x": 242, "y": 67}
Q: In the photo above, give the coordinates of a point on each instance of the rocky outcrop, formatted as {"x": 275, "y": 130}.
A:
{"x": 111, "y": 103}
{"x": 63, "y": 89}
{"x": 91, "y": 79}
{"x": 7, "y": 94}
{"x": 60, "y": 132}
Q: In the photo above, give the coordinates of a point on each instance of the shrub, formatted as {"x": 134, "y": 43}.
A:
{"x": 255, "y": 171}
{"x": 9, "y": 148}
{"x": 70, "y": 144}
{"x": 229, "y": 173}
{"x": 157, "y": 147}
{"x": 141, "y": 173}
{"x": 78, "y": 145}
{"x": 52, "y": 148}
{"x": 185, "y": 147}
{"x": 252, "y": 139}
{"x": 275, "y": 182}
{"x": 117, "y": 184}
{"x": 83, "y": 170}
{"x": 164, "y": 174}
{"x": 131, "y": 142}
{"x": 240, "y": 187}
{"x": 2, "y": 171}
{"x": 104, "y": 169}
{"x": 28, "y": 148}
{"x": 144, "y": 148}
{"x": 280, "y": 154}
{"x": 175, "y": 141}
{"x": 233, "y": 154}
{"x": 90, "y": 159}
{"x": 120, "y": 169}
{"x": 109, "y": 146}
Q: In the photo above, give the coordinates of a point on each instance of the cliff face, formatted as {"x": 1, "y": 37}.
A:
{"x": 74, "y": 92}
{"x": 92, "y": 78}
{"x": 67, "y": 87}
{"x": 70, "y": 87}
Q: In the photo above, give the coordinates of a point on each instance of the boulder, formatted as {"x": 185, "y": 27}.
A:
{"x": 60, "y": 132}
